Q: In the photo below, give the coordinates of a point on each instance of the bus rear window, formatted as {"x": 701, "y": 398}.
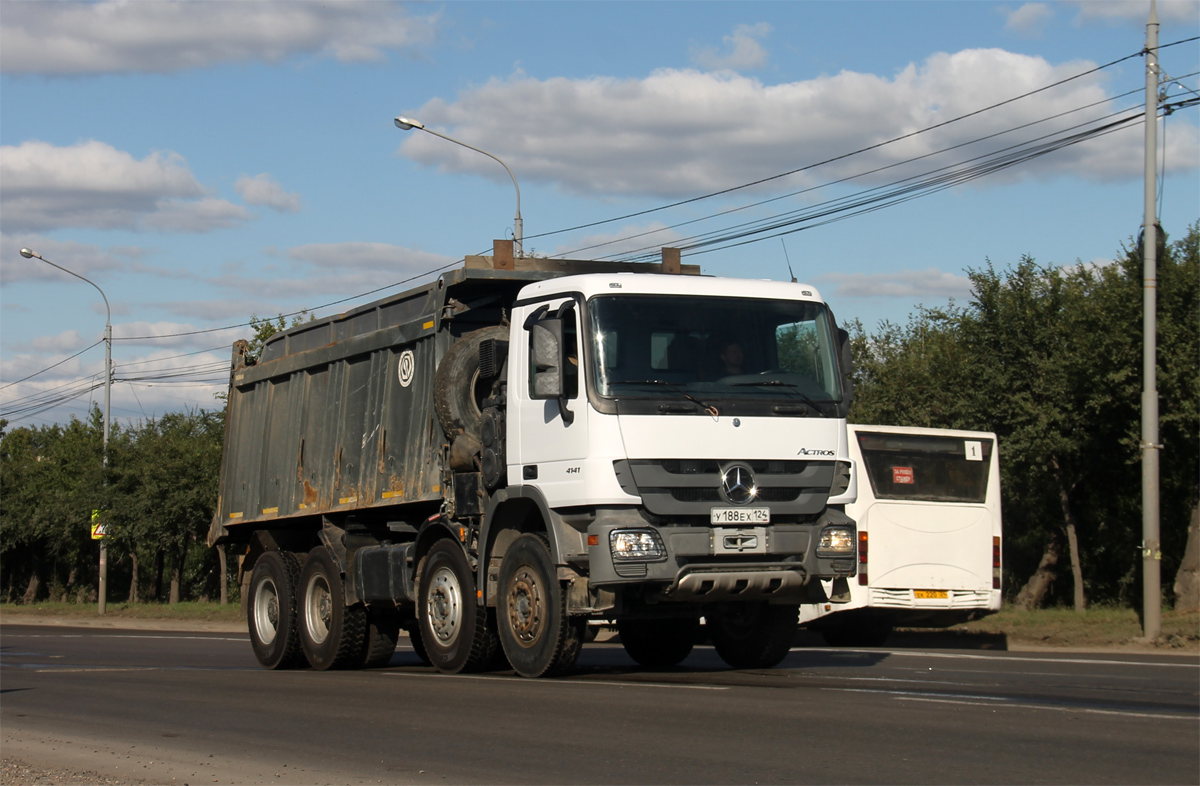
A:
{"x": 934, "y": 469}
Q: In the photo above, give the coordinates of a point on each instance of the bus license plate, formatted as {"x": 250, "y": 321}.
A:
{"x": 931, "y": 594}
{"x": 740, "y": 515}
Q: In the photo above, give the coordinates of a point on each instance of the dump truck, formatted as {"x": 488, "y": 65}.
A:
{"x": 493, "y": 459}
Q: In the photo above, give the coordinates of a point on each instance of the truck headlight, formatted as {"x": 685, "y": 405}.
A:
{"x": 635, "y": 544}
{"x": 836, "y": 542}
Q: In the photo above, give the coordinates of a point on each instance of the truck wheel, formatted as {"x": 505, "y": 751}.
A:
{"x": 453, "y": 624}
{"x": 383, "y": 631}
{"x": 850, "y": 635}
{"x": 331, "y": 633}
{"x": 271, "y": 611}
{"x": 417, "y": 644}
{"x": 537, "y": 635}
{"x": 753, "y": 635}
{"x": 458, "y": 390}
{"x": 658, "y": 644}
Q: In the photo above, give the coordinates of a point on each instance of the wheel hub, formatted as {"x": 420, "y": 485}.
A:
{"x": 319, "y": 609}
{"x": 445, "y": 606}
{"x": 526, "y": 607}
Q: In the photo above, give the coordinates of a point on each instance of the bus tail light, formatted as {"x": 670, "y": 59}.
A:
{"x": 996, "y": 562}
{"x": 862, "y": 559}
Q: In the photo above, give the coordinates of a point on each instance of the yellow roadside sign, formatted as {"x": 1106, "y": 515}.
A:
{"x": 99, "y": 528}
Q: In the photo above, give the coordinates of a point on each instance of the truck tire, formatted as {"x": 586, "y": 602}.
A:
{"x": 538, "y": 637}
{"x": 271, "y": 611}
{"x": 753, "y": 635}
{"x": 458, "y": 390}
{"x": 383, "y": 631}
{"x": 417, "y": 644}
{"x": 658, "y": 644}
{"x": 331, "y": 633}
{"x": 453, "y": 624}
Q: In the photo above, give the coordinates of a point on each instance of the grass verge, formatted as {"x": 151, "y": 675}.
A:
{"x": 190, "y": 611}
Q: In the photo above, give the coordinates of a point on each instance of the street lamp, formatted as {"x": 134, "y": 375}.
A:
{"x": 29, "y": 254}
{"x": 407, "y": 124}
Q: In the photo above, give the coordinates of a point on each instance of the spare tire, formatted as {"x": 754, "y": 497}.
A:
{"x": 458, "y": 389}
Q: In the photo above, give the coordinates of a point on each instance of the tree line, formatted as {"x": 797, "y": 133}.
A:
{"x": 1049, "y": 358}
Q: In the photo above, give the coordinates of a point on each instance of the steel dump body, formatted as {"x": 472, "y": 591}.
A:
{"x": 325, "y": 422}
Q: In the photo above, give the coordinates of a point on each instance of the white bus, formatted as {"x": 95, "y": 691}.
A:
{"x": 928, "y": 513}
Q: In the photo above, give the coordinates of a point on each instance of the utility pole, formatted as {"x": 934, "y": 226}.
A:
{"x": 108, "y": 369}
{"x": 1151, "y": 545}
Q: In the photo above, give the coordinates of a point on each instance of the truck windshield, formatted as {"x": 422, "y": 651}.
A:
{"x": 713, "y": 348}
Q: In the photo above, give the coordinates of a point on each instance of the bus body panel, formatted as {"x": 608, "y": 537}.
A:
{"x": 929, "y": 562}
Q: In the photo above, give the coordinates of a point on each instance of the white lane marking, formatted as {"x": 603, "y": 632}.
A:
{"x": 516, "y": 680}
{"x": 1091, "y": 711}
{"x": 998, "y": 657}
{"x": 1000, "y": 701}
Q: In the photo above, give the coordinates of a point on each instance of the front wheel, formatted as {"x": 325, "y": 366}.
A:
{"x": 271, "y": 611}
{"x": 454, "y": 628}
{"x": 537, "y": 635}
{"x": 332, "y": 634}
{"x": 753, "y": 635}
{"x": 658, "y": 644}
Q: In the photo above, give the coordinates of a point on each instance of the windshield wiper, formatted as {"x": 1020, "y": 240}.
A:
{"x": 778, "y": 383}
{"x": 706, "y": 407}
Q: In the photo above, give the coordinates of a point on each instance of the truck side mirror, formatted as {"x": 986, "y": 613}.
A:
{"x": 548, "y": 357}
{"x": 846, "y": 361}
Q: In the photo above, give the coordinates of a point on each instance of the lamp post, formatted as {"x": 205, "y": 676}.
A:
{"x": 29, "y": 254}
{"x": 407, "y": 124}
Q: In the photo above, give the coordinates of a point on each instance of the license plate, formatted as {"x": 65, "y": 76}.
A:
{"x": 739, "y": 540}
{"x": 740, "y": 515}
{"x": 931, "y": 594}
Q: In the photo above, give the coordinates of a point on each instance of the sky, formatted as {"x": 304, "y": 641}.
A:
{"x": 205, "y": 162}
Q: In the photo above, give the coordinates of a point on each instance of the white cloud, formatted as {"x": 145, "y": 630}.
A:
{"x": 92, "y": 184}
{"x": 170, "y": 35}
{"x": 742, "y": 50}
{"x": 263, "y": 190}
{"x": 64, "y": 343}
{"x": 1029, "y": 20}
{"x": 930, "y": 282}
{"x": 661, "y": 135}
{"x": 1137, "y": 11}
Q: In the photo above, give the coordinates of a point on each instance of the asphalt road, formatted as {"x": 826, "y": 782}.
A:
{"x": 196, "y": 708}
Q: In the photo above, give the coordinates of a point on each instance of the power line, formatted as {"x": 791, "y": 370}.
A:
{"x": 868, "y": 148}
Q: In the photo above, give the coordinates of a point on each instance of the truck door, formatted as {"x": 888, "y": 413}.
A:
{"x": 551, "y": 433}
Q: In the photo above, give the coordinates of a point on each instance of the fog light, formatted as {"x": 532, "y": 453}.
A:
{"x": 635, "y": 544}
{"x": 836, "y": 542}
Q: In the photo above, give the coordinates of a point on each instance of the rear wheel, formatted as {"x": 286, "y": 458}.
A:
{"x": 658, "y": 644}
{"x": 537, "y": 635}
{"x": 383, "y": 631}
{"x": 271, "y": 611}
{"x": 331, "y": 633}
{"x": 753, "y": 635}
{"x": 453, "y": 624}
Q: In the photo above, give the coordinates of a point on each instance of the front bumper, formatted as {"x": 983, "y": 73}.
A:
{"x": 692, "y": 569}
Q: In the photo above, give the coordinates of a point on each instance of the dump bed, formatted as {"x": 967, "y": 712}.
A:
{"x": 337, "y": 415}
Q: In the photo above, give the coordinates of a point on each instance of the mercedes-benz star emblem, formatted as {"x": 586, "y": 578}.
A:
{"x": 737, "y": 484}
